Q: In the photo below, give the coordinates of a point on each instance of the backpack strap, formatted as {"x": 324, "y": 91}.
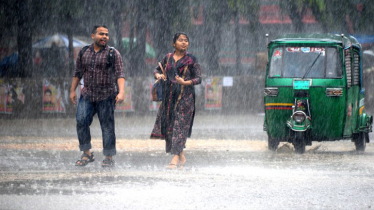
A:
{"x": 83, "y": 50}
{"x": 111, "y": 58}
{"x": 162, "y": 69}
{"x": 111, "y": 63}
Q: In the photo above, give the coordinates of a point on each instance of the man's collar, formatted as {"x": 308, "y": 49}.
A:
{"x": 101, "y": 49}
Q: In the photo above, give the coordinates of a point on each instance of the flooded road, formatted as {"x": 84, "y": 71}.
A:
{"x": 228, "y": 167}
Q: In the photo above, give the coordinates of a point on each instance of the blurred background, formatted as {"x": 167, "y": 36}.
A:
{"x": 41, "y": 40}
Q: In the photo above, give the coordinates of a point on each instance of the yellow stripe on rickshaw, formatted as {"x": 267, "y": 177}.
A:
{"x": 279, "y": 104}
{"x": 361, "y": 109}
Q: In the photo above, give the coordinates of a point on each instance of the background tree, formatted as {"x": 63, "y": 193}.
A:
{"x": 365, "y": 17}
{"x": 68, "y": 10}
{"x": 295, "y": 9}
{"x": 137, "y": 58}
{"x": 167, "y": 18}
{"x": 333, "y": 15}
{"x": 215, "y": 14}
{"x": 15, "y": 19}
{"x": 333, "y": 18}
{"x": 8, "y": 18}
{"x": 118, "y": 18}
{"x": 162, "y": 18}
{"x": 248, "y": 9}
{"x": 24, "y": 38}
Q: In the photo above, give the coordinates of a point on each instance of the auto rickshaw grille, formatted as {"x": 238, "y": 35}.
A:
{"x": 348, "y": 67}
{"x": 356, "y": 67}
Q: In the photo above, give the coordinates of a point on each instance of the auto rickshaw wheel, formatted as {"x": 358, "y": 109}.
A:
{"x": 360, "y": 141}
{"x": 299, "y": 142}
{"x": 272, "y": 143}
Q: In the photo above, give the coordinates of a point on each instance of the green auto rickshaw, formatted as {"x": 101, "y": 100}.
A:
{"x": 314, "y": 91}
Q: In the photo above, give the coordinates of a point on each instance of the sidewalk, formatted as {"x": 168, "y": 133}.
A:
{"x": 218, "y": 127}
{"x": 133, "y": 145}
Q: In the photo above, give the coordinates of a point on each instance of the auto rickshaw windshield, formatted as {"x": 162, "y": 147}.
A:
{"x": 295, "y": 62}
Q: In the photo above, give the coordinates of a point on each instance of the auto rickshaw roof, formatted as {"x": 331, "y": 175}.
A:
{"x": 345, "y": 40}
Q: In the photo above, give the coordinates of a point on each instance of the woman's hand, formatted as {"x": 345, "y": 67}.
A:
{"x": 181, "y": 81}
{"x": 160, "y": 76}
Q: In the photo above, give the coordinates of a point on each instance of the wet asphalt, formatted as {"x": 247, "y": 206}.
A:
{"x": 228, "y": 167}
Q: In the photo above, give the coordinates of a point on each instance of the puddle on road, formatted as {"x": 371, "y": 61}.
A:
{"x": 141, "y": 164}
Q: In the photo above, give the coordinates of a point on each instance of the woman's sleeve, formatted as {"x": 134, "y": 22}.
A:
{"x": 196, "y": 73}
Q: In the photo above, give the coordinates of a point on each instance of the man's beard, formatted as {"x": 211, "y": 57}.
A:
{"x": 98, "y": 43}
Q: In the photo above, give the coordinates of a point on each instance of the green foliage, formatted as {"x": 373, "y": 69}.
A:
{"x": 366, "y": 16}
{"x": 319, "y": 3}
{"x": 331, "y": 14}
{"x": 246, "y": 8}
{"x": 181, "y": 16}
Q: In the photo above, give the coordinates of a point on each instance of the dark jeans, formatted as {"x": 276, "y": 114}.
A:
{"x": 105, "y": 111}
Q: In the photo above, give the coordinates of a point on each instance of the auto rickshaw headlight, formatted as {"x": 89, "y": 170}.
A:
{"x": 271, "y": 91}
{"x": 299, "y": 117}
{"x": 334, "y": 92}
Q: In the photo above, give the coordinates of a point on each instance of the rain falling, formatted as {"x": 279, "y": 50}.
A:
{"x": 279, "y": 95}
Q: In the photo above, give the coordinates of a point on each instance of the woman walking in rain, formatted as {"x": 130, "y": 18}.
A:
{"x": 176, "y": 114}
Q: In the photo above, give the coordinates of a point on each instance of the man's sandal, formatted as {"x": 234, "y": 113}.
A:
{"x": 84, "y": 162}
{"x": 108, "y": 162}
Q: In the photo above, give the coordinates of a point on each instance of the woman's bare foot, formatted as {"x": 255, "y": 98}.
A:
{"x": 182, "y": 160}
{"x": 174, "y": 162}
{"x": 171, "y": 166}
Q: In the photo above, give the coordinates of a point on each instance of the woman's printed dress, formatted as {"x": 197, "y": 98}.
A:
{"x": 176, "y": 114}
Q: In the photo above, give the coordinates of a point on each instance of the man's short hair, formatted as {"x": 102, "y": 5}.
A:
{"x": 98, "y": 26}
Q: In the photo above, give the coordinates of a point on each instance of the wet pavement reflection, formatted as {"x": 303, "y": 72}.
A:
{"x": 220, "y": 173}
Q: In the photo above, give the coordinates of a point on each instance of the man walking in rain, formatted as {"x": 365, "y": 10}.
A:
{"x": 101, "y": 68}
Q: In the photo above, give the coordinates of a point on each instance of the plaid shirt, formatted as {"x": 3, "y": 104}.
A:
{"x": 99, "y": 78}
